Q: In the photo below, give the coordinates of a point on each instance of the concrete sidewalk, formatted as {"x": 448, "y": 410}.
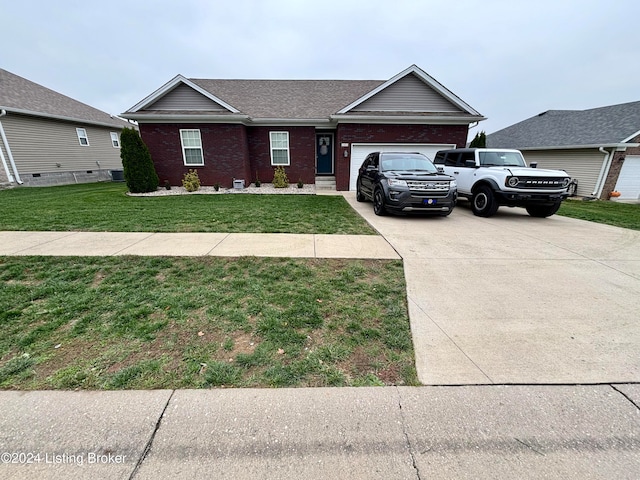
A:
{"x": 195, "y": 244}
{"x": 523, "y": 432}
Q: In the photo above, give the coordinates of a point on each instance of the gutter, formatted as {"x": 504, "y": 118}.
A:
{"x": 3, "y": 112}
{"x": 604, "y": 171}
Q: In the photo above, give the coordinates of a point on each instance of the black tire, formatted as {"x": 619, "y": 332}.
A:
{"x": 483, "y": 202}
{"x": 378, "y": 202}
{"x": 359, "y": 196}
{"x": 543, "y": 211}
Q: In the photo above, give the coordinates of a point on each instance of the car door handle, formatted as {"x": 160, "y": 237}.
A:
{"x": 456, "y": 173}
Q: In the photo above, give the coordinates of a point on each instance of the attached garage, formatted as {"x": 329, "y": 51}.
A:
{"x": 628, "y": 183}
{"x": 359, "y": 152}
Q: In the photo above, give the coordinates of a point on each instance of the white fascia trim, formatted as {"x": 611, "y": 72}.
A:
{"x": 426, "y": 78}
{"x": 631, "y": 137}
{"x": 173, "y": 83}
{"x": 83, "y": 121}
{"x": 435, "y": 120}
{"x": 145, "y": 118}
{"x": 298, "y": 122}
{"x": 579, "y": 147}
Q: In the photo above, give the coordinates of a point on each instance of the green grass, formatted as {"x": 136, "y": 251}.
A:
{"x": 146, "y": 323}
{"x": 105, "y": 207}
{"x": 625, "y": 215}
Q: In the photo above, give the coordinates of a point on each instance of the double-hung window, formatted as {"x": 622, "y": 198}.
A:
{"x": 279, "y": 148}
{"x": 115, "y": 140}
{"x": 191, "y": 147}
{"x": 82, "y": 137}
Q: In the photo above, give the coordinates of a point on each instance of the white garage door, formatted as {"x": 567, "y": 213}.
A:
{"x": 359, "y": 152}
{"x": 628, "y": 183}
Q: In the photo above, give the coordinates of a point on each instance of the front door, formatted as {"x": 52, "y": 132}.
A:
{"x": 324, "y": 154}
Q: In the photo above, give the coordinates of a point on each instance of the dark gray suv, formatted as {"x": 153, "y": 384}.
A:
{"x": 405, "y": 183}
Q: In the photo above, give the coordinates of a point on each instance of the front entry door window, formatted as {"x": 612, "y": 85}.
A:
{"x": 324, "y": 154}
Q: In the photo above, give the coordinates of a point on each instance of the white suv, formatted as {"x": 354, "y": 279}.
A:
{"x": 491, "y": 177}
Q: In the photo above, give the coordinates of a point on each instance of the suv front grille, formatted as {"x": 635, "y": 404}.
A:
{"x": 431, "y": 187}
{"x": 551, "y": 183}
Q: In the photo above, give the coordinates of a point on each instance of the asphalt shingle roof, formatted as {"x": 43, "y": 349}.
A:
{"x": 18, "y": 93}
{"x": 557, "y": 128}
{"x": 287, "y": 99}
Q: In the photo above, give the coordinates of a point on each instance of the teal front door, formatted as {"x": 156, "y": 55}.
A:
{"x": 324, "y": 154}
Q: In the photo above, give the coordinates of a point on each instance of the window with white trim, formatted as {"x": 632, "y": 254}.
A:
{"x": 279, "y": 148}
{"x": 191, "y": 147}
{"x": 115, "y": 140}
{"x": 82, "y": 137}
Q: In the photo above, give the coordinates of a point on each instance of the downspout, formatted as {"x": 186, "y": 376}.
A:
{"x": 3, "y": 112}
{"x": 606, "y": 164}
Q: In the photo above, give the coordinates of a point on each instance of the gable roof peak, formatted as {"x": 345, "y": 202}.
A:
{"x": 172, "y": 85}
{"x": 426, "y": 79}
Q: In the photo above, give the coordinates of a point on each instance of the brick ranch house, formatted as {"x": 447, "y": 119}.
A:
{"x": 242, "y": 129}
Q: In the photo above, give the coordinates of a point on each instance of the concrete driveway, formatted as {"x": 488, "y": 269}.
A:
{"x": 513, "y": 299}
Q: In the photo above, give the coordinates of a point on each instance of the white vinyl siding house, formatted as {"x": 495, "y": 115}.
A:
{"x": 41, "y": 145}
{"x": 584, "y": 165}
{"x": 52, "y": 139}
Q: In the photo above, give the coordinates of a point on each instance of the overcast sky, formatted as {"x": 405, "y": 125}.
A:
{"x": 508, "y": 59}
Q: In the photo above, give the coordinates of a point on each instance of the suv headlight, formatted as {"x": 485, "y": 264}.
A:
{"x": 453, "y": 184}
{"x": 566, "y": 182}
{"x": 513, "y": 181}
{"x": 394, "y": 182}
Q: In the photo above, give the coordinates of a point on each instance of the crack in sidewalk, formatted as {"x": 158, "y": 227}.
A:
{"x": 406, "y": 437}
{"x": 147, "y": 447}
{"x": 625, "y": 396}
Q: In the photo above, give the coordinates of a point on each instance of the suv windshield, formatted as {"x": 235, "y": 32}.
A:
{"x": 407, "y": 163}
{"x": 501, "y": 159}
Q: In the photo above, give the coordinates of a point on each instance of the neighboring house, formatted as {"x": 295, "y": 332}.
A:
{"x": 598, "y": 147}
{"x": 50, "y": 139}
{"x": 316, "y": 129}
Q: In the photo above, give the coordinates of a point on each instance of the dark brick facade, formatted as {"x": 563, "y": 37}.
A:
{"x": 236, "y": 151}
{"x": 616, "y": 166}
{"x": 225, "y": 150}
{"x": 302, "y": 153}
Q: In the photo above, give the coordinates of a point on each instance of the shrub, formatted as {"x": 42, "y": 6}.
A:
{"x": 139, "y": 172}
{"x": 280, "y": 179}
{"x": 191, "y": 181}
{"x": 479, "y": 141}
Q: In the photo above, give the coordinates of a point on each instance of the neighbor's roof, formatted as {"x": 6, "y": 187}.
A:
{"x": 20, "y": 95}
{"x": 602, "y": 126}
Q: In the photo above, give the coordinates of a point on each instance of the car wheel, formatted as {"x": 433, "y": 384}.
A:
{"x": 359, "y": 195}
{"x": 483, "y": 203}
{"x": 543, "y": 211}
{"x": 378, "y": 202}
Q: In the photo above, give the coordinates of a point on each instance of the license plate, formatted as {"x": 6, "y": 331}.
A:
{"x": 429, "y": 201}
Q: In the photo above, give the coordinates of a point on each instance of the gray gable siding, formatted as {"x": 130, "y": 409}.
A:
{"x": 38, "y": 144}
{"x": 184, "y": 97}
{"x": 409, "y": 94}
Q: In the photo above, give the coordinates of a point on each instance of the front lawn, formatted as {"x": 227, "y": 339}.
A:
{"x": 105, "y": 207}
{"x": 146, "y": 323}
{"x": 625, "y": 215}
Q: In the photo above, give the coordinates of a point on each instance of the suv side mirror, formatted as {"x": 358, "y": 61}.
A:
{"x": 372, "y": 168}
{"x": 533, "y": 164}
{"x": 470, "y": 163}
{"x": 440, "y": 168}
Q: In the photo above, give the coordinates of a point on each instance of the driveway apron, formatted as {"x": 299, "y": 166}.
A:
{"x": 514, "y": 299}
